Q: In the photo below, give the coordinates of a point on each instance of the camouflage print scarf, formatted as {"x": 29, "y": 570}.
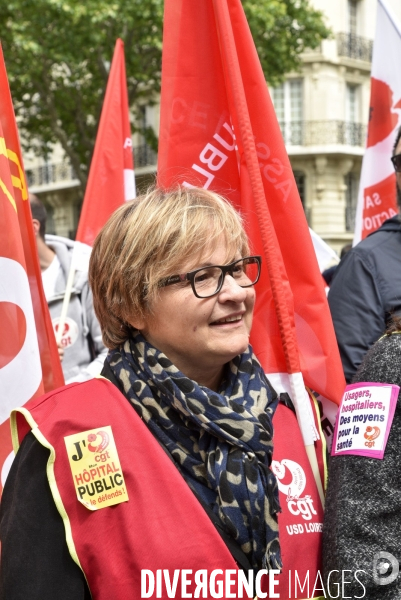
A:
{"x": 221, "y": 441}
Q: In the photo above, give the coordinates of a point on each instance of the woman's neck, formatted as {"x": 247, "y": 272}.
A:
{"x": 210, "y": 380}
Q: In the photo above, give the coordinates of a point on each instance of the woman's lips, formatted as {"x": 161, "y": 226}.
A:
{"x": 229, "y": 320}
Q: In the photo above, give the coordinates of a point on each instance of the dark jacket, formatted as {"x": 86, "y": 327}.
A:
{"x": 363, "y": 502}
{"x": 365, "y": 292}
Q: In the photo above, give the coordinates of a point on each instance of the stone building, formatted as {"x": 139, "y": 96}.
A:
{"x": 323, "y": 112}
{"x": 322, "y": 109}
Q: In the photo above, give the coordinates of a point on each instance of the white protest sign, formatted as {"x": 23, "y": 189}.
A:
{"x": 364, "y": 419}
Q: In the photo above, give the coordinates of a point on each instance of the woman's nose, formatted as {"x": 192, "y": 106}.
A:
{"x": 231, "y": 290}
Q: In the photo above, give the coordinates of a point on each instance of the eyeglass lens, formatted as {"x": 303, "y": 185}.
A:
{"x": 397, "y": 162}
{"x": 208, "y": 280}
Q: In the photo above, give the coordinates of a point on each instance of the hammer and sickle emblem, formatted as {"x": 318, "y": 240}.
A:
{"x": 17, "y": 182}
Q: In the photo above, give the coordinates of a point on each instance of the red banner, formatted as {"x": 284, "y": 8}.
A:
{"x": 29, "y": 361}
{"x": 219, "y": 131}
{"x": 111, "y": 178}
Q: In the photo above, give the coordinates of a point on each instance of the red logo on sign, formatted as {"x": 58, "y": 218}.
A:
{"x": 368, "y": 435}
{"x": 65, "y": 330}
{"x": 103, "y": 443}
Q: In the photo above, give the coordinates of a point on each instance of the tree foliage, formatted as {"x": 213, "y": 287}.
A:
{"x": 282, "y": 30}
{"x": 58, "y": 53}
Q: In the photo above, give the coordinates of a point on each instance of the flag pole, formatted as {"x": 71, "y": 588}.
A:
{"x": 269, "y": 239}
{"x": 79, "y": 262}
{"x": 66, "y": 302}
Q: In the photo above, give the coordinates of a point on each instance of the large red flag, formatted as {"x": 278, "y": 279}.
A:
{"x": 111, "y": 178}
{"x": 377, "y": 188}
{"x": 219, "y": 131}
{"x": 213, "y": 86}
{"x": 29, "y": 361}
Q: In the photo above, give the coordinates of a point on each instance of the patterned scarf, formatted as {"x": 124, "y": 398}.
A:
{"x": 221, "y": 442}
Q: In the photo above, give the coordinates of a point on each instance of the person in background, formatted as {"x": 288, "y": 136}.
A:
{"x": 81, "y": 349}
{"x": 329, "y": 273}
{"x": 362, "y": 514}
{"x": 366, "y": 290}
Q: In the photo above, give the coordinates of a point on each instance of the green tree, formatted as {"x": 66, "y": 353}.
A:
{"x": 282, "y": 30}
{"x": 58, "y": 53}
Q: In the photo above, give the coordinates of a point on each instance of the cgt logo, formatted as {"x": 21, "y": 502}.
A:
{"x": 289, "y": 469}
{"x": 100, "y": 445}
{"x": 70, "y": 331}
{"x": 302, "y": 506}
{"x": 368, "y": 435}
{"x": 98, "y": 448}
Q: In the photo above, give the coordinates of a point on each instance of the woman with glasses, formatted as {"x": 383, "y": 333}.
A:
{"x": 164, "y": 464}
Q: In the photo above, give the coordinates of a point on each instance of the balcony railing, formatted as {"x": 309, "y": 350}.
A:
{"x": 323, "y": 133}
{"x": 62, "y": 172}
{"x": 354, "y": 46}
{"x": 50, "y": 173}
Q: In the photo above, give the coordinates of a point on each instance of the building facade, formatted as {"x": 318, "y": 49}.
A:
{"x": 322, "y": 110}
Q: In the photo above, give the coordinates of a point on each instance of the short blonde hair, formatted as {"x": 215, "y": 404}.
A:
{"x": 152, "y": 237}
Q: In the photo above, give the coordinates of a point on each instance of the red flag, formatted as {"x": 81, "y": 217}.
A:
{"x": 213, "y": 86}
{"x": 111, "y": 178}
{"x": 219, "y": 131}
{"x": 377, "y": 188}
{"x": 29, "y": 361}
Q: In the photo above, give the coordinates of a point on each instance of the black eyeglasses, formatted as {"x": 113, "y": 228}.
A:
{"x": 208, "y": 281}
{"x": 396, "y": 160}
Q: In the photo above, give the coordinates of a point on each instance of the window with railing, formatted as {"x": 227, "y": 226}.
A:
{"x": 50, "y": 173}
{"x": 288, "y": 103}
{"x": 324, "y": 133}
{"x": 349, "y": 43}
{"x": 354, "y": 46}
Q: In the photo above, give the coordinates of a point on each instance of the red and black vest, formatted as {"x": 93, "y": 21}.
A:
{"x": 162, "y": 526}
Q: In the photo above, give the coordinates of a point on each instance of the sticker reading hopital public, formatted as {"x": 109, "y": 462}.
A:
{"x": 96, "y": 469}
{"x": 364, "y": 419}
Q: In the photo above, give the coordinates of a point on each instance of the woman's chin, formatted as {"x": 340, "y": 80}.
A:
{"x": 236, "y": 346}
